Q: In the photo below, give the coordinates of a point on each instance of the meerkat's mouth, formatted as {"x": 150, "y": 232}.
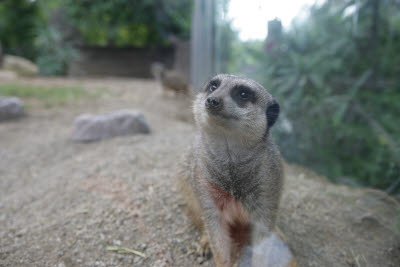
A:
{"x": 221, "y": 115}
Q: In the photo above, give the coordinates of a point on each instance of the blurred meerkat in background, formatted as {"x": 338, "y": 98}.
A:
{"x": 170, "y": 80}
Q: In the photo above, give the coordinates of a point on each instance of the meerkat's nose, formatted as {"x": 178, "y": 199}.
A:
{"x": 213, "y": 102}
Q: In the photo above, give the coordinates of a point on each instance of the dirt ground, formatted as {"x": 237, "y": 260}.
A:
{"x": 63, "y": 203}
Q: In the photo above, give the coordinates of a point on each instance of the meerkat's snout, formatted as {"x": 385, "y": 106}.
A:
{"x": 214, "y": 103}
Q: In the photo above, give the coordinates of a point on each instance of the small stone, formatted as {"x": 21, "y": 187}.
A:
{"x": 184, "y": 250}
{"x": 117, "y": 243}
{"x": 99, "y": 263}
{"x": 11, "y": 108}
{"x": 159, "y": 263}
{"x": 168, "y": 258}
{"x": 21, "y": 232}
{"x": 137, "y": 260}
{"x": 200, "y": 260}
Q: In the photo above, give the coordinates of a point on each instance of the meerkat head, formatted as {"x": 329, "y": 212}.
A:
{"x": 157, "y": 69}
{"x": 238, "y": 106}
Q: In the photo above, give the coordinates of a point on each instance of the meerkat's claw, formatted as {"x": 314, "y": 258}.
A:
{"x": 203, "y": 248}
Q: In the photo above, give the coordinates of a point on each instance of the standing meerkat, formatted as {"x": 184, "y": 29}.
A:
{"x": 232, "y": 176}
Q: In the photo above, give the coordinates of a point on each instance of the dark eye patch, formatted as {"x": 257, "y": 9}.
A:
{"x": 243, "y": 94}
{"x": 212, "y": 86}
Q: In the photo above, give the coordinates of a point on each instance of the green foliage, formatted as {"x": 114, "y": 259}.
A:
{"x": 18, "y": 25}
{"x": 130, "y": 23}
{"x": 337, "y": 79}
{"x": 29, "y": 28}
{"x": 48, "y": 96}
{"x": 25, "y": 30}
{"x": 54, "y": 52}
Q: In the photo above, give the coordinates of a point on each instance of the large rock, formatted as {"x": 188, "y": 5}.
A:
{"x": 7, "y": 75}
{"x": 21, "y": 66}
{"x": 90, "y": 127}
{"x": 11, "y": 108}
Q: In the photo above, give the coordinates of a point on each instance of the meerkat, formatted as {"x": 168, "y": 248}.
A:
{"x": 170, "y": 80}
{"x": 232, "y": 176}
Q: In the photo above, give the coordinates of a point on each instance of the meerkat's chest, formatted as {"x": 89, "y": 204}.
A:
{"x": 238, "y": 179}
{"x": 232, "y": 215}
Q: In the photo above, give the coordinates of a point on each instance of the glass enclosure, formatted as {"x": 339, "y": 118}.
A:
{"x": 334, "y": 68}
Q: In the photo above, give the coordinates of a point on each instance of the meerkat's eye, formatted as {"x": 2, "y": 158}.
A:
{"x": 212, "y": 88}
{"x": 244, "y": 95}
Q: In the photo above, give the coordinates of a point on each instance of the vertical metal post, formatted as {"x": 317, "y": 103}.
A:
{"x": 202, "y": 42}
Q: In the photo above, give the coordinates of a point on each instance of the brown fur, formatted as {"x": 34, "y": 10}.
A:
{"x": 232, "y": 176}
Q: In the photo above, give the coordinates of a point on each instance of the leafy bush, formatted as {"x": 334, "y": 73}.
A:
{"x": 29, "y": 28}
{"x": 18, "y": 25}
{"x": 54, "y": 52}
{"x": 337, "y": 78}
{"x": 130, "y": 23}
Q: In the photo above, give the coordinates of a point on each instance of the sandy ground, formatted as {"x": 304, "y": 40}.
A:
{"x": 63, "y": 203}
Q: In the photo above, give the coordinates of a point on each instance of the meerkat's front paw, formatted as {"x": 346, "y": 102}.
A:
{"x": 203, "y": 248}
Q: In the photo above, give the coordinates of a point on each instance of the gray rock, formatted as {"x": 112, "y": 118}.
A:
{"x": 11, "y": 108}
{"x": 90, "y": 127}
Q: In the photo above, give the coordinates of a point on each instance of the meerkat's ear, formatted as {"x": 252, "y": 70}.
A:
{"x": 272, "y": 113}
